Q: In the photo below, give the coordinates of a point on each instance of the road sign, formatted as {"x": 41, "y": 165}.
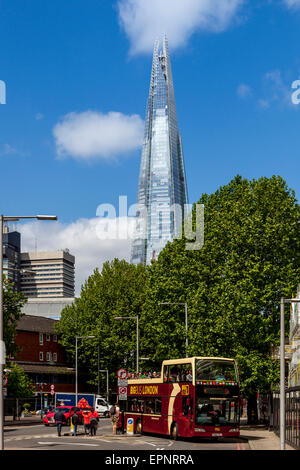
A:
{"x": 52, "y": 392}
{"x": 122, "y": 393}
{"x": 52, "y": 387}
{"x": 122, "y": 382}
{"x": 122, "y": 374}
{"x": 5, "y": 380}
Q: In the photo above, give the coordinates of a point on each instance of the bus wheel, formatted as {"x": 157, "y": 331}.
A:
{"x": 174, "y": 432}
{"x": 138, "y": 428}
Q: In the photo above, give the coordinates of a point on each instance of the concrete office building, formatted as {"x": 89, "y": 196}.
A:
{"x": 46, "y": 307}
{"x": 294, "y": 366}
{"x": 53, "y": 275}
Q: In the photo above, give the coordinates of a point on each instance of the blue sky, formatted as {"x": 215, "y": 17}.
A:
{"x": 233, "y": 64}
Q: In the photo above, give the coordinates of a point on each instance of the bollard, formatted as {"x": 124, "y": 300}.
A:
{"x": 130, "y": 427}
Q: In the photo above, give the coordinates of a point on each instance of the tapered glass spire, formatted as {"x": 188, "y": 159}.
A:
{"x": 162, "y": 190}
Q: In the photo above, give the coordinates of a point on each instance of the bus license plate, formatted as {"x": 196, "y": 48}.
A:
{"x": 215, "y": 434}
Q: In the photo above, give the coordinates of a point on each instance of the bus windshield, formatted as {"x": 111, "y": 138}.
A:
{"x": 216, "y": 370}
{"x": 213, "y": 411}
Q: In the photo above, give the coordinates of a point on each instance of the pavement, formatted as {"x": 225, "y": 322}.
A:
{"x": 23, "y": 420}
{"x": 260, "y": 438}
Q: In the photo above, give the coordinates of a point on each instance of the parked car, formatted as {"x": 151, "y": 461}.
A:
{"x": 68, "y": 412}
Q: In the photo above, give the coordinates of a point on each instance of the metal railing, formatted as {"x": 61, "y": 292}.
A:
{"x": 292, "y": 415}
{"x": 14, "y": 407}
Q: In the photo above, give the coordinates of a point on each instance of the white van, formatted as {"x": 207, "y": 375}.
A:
{"x": 102, "y": 407}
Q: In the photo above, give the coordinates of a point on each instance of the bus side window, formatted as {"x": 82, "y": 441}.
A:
{"x": 158, "y": 406}
{"x": 166, "y": 373}
{"x": 174, "y": 375}
{"x": 141, "y": 406}
{"x": 149, "y": 406}
{"x": 132, "y": 404}
{"x": 187, "y": 406}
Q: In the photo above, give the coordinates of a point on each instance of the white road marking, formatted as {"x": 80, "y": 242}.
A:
{"x": 18, "y": 438}
{"x": 171, "y": 443}
{"x": 68, "y": 443}
{"x": 145, "y": 442}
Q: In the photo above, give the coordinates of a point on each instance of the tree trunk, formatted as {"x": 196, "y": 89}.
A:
{"x": 252, "y": 409}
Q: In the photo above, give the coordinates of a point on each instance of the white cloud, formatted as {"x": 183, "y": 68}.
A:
{"x": 144, "y": 20}
{"x": 264, "y": 104}
{"x": 83, "y": 239}
{"x": 92, "y": 135}
{"x": 7, "y": 149}
{"x": 292, "y": 3}
{"x": 244, "y": 91}
{"x": 276, "y": 91}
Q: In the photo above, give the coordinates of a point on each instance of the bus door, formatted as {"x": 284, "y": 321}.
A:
{"x": 185, "y": 416}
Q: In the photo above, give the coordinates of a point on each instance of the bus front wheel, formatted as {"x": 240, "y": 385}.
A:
{"x": 174, "y": 432}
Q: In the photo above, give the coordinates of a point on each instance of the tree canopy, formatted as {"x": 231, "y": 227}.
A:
{"x": 117, "y": 291}
{"x": 19, "y": 385}
{"x": 232, "y": 286}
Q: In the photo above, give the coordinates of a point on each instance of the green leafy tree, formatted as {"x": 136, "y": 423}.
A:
{"x": 118, "y": 290}
{"x": 19, "y": 385}
{"x": 12, "y": 306}
{"x": 233, "y": 285}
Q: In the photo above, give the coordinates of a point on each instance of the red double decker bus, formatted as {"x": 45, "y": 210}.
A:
{"x": 198, "y": 396}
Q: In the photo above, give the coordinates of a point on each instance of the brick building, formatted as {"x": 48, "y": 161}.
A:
{"x": 41, "y": 356}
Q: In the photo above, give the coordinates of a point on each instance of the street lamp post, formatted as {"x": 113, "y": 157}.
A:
{"x": 282, "y": 370}
{"x": 137, "y": 338}
{"x": 107, "y": 384}
{"x": 2, "y": 344}
{"x": 41, "y": 384}
{"x": 76, "y": 366}
{"x": 186, "y": 321}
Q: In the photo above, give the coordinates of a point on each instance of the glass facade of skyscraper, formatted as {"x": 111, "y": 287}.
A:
{"x": 162, "y": 190}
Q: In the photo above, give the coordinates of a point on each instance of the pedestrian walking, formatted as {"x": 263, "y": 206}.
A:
{"x": 59, "y": 418}
{"x": 94, "y": 418}
{"x": 114, "y": 417}
{"x": 86, "y": 421}
{"x": 75, "y": 421}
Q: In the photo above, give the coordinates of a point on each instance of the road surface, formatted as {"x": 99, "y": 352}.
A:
{"x": 40, "y": 437}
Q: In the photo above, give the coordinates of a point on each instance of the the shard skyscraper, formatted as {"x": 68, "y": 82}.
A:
{"x": 162, "y": 190}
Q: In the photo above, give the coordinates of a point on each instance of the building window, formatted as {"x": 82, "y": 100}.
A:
{"x": 55, "y": 338}
{"x": 41, "y": 356}
{"x": 47, "y": 337}
{"x": 54, "y": 357}
{"x": 41, "y": 339}
{"x": 48, "y": 356}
